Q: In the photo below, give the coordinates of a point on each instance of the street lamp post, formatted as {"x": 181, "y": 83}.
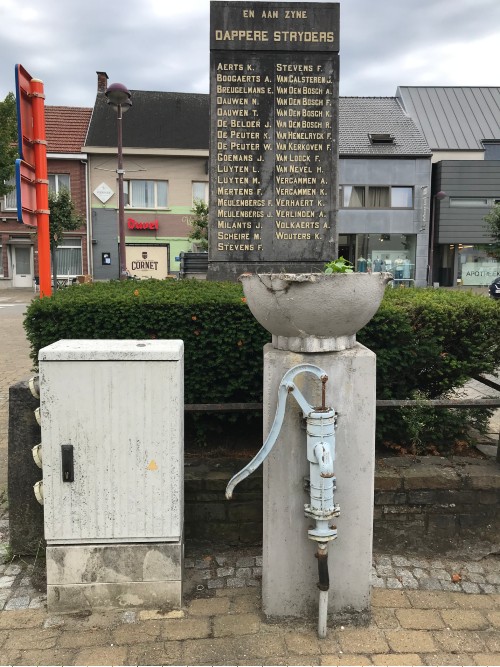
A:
{"x": 118, "y": 96}
{"x": 439, "y": 196}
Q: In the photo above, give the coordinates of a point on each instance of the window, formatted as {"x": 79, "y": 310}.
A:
{"x": 10, "y": 201}
{"x": 401, "y": 197}
{"x": 145, "y": 194}
{"x": 200, "y": 191}
{"x": 379, "y": 196}
{"x": 471, "y": 202}
{"x": 69, "y": 257}
{"x": 57, "y": 182}
{"x": 1, "y": 261}
{"x": 381, "y": 137}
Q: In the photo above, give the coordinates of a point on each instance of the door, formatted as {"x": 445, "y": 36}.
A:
{"x": 21, "y": 266}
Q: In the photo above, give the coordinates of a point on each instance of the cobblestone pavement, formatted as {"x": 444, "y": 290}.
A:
{"x": 224, "y": 625}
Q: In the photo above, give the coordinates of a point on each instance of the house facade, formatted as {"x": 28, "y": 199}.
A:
{"x": 66, "y": 128}
{"x": 385, "y": 182}
{"x": 165, "y": 151}
{"x": 462, "y": 127}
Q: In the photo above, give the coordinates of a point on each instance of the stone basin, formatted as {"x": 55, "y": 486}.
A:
{"x": 314, "y": 312}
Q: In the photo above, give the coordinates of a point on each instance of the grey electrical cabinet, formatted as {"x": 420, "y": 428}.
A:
{"x": 112, "y": 443}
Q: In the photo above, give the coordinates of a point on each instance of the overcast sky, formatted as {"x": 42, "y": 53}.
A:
{"x": 163, "y": 45}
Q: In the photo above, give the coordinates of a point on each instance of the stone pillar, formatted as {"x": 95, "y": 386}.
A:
{"x": 289, "y": 566}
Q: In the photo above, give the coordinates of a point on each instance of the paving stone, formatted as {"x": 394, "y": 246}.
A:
{"x": 246, "y": 603}
{"x": 235, "y": 582}
{"x": 36, "y": 638}
{"x": 52, "y": 656}
{"x": 216, "y": 583}
{"x": 189, "y": 628}
{"x": 383, "y": 560}
{"x": 385, "y": 570}
{"x": 487, "y": 588}
{"x": 408, "y": 581}
{"x": 209, "y": 606}
{"x": 136, "y": 633}
{"x": 403, "y": 659}
{"x": 17, "y": 603}
{"x": 85, "y": 638}
{"x": 392, "y": 582}
{"x": 448, "y": 659}
{"x": 474, "y": 601}
{"x": 155, "y": 615}
{"x": 362, "y": 640}
{"x": 459, "y": 641}
{"x": 234, "y": 625}
{"x": 419, "y": 619}
{"x": 339, "y": 660}
{"x": 419, "y": 573}
{"x": 246, "y": 561}
{"x": 493, "y": 578}
{"x": 492, "y": 641}
{"x": 377, "y": 582}
{"x": 22, "y": 619}
{"x": 155, "y": 653}
{"x": 301, "y": 659}
{"x": 6, "y": 582}
{"x": 487, "y": 659}
{"x": 258, "y": 561}
{"x": 261, "y": 645}
{"x": 54, "y": 622}
{"x": 129, "y": 616}
{"x": 102, "y": 655}
{"x": 430, "y": 600}
{"x": 243, "y": 572}
{"x": 303, "y": 643}
{"x": 400, "y": 561}
{"x": 437, "y": 573}
{"x": 430, "y": 584}
{"x": 387, "y": 598}
{"x": 213, "y": 651}
{"x": 385, "y": 619}
{"x": 406, "y": 641}
{"x": 464, "y": 619}
{"x": 12, "y": 570}
{"x": 225, "y": 571}
{"x": 474, "y": 567}
{"x": 469, "y": 587}
{"x": 475, "y": 577}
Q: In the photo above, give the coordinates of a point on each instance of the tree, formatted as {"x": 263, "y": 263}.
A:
{"x": 199, "y": 223}
{"x": 492, "y": 220}
{"x": 63, "y": 218}
{"x": 8, "y": 142}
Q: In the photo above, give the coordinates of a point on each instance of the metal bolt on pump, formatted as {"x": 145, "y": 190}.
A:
{"x": 320, "y": 428}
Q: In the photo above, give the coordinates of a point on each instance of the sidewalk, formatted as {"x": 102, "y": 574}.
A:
{"x": 420, "y": 616}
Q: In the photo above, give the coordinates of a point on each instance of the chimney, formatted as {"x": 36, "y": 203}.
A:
{"x": 102, "y": 82}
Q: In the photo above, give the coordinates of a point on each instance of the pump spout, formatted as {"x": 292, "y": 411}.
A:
{"x": 323, "y": 454}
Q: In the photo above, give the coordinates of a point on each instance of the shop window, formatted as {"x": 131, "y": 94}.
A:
{"x": 57, "y": 182}
{"x": 379, "y": 196}
{"x": 200, "y": 191}
{"x": 9, "y": 202}
{"x": 69, "y": 257}
{"x": 387, "y": 252}
{"x": 145, "y": 194}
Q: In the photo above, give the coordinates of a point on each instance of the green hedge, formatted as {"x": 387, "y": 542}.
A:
{"x": 427, "y": 341}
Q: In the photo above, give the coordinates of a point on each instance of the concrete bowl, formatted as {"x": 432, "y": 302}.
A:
{"x": 314, "y": 312}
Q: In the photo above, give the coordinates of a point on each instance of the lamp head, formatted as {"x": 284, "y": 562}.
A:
{"x": 119, "y": 95}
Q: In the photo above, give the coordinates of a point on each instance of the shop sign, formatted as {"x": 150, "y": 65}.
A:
{"x": 103, "y": 192}
{"x": 480, "y": 273}
{"x": 135, "y": 224}
{"x": 148, "y": 261}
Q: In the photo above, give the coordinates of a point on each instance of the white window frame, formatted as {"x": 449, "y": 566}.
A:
{"x": 127, "y": 191}
{"x": 76, "y": 245}
{"x": 57, "y": 187}
{"x": 11, "y": 197}
{"x": 205, "y": 185}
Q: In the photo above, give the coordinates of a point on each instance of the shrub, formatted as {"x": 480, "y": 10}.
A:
{"x": 428, "y": 341}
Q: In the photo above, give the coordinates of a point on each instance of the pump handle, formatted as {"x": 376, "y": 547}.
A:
{"x": 286, "y": 386}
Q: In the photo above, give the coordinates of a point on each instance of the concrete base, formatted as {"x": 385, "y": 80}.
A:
{"x": 289, "y": 566}
{"x": 114, "y": 576}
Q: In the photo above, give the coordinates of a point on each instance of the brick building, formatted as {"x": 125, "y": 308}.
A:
{"x": 66, "y": 129}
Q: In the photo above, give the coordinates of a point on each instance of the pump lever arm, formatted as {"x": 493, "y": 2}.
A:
{"x": 286, "y": 386}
